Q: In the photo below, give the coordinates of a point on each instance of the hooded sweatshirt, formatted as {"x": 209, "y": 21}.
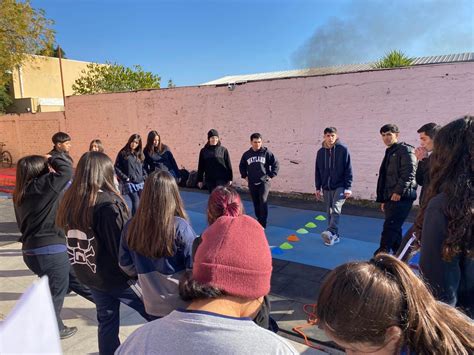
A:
{"x": 214, "y": 164}
{"x": 333, "y": 167}
{"x": 259, "y": 166}
{"x": 37, "y": 213}
{"x": 94, "y": 252}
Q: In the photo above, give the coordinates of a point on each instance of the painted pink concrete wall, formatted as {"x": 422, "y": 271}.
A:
{"x": 291, "y": 114}
{"x": 30, "y": 133}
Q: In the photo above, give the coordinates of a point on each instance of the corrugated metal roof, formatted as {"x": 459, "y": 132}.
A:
{"x": 450, "y": 58}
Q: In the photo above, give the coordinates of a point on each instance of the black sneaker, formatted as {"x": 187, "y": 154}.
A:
{"x": 67, "y": 332}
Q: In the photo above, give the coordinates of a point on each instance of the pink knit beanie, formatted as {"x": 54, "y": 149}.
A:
{"x": 234, "y": 257}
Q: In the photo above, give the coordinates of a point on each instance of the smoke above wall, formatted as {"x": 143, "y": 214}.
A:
{"x": 367, "y": 30}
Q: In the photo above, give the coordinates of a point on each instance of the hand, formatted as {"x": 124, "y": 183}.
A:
{"x": 395, "y": 197}
{"x": 318, "y": 195}
{"x": 347, "y": 194}
{"x": 229, "y": 183}
{"x": 382, "y": 207}
{"x": 421, "y": 153}
{"x": 200, "y": 185}
{"x": 47, "y": 156}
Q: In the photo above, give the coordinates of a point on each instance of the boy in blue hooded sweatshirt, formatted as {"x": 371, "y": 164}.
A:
{"x": 333, "y": 180}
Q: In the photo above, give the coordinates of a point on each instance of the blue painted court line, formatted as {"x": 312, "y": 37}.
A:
{"x": 359, "y": 235}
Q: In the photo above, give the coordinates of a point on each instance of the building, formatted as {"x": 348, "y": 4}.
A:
{"x": 36, "y": 84}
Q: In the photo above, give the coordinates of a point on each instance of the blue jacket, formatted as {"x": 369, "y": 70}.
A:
{"x": 333, "y": 168}
{"x": 159, "y": 277}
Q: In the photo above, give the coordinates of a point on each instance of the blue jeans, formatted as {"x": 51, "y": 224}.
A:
{"x": 132, "y": 199}
{"x": 56, "y": 267}
{"x": 108, "y": 315}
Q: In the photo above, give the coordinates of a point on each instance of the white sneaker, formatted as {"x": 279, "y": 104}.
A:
{"x": 329, "y": 238}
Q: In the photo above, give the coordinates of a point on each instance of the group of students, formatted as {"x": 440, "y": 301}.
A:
{"x": 258, "y": 166}
{"x": 208, "y": 294}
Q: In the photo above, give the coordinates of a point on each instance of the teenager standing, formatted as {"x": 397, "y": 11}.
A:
{"x": 156, "y": 246}
{"x": 333, "y": 175}
{"x": 214, "y": 165}
{"x": 130, "y": 171}
{"x": 36, "y": 197}
{"x": 258, "y": 166}
{"x": 93, "y": 215}
{"x": 158, "y": 156}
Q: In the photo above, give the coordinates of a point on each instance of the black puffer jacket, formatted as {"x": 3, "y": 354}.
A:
{"x": 397, "y": 173}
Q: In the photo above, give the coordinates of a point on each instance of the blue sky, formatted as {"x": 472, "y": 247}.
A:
{"x": 194, "y": 41}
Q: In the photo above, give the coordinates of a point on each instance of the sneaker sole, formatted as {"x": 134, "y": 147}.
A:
{"x": 68, "y": 336}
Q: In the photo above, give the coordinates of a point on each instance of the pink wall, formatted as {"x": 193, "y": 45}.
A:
{"x": 27, "y": 134}
{"x": 291, "y": 114}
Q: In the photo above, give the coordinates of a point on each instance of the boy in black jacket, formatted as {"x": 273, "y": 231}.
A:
{"x": 258, "y": 166}
{"x": 333, "y": 175}
{"x": 396, "y": 187}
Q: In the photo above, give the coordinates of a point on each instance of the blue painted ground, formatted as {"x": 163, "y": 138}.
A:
{"x": 359, "y": 235}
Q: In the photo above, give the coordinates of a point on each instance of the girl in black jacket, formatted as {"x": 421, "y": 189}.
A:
{"x": 93, "y": 215}
{"x": 214, "y": 163}
{"x": 158, "y": 156}
{"x": 130, "y": 171}
{"x": 36, "y": 197}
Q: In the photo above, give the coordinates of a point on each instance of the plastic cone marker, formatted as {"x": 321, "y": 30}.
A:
{"x": 320, "y": 218}
{"x": 293, "y": 238}
{"x": 277, "y": 251}
{"x": 302, "y": 231}
{"x": 310, "y": 225}
{"x": 286, "y": 246}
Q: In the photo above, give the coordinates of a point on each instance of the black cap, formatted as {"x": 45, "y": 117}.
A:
{"x": 212, "y": 133}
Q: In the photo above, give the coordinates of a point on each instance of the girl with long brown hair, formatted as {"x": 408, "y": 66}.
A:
{"x": 131, "y": 172}
{"x": 93, "y": 215}
{"x": 158, "y": 156}
{"x": 381, "y": 307}
{"x": 445, "y": 221}
{"x": 156, "y": 246}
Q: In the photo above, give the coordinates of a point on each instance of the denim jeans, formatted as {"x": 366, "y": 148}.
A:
{"x": 334, "y": 199}
{"x": 132, "y": 199}
{"x": 395, "y": 215}
{"x": 56, "y": 267}
{"x": 108, "y": 315}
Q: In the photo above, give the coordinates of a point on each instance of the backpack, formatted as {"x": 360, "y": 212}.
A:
{"x": 192, "y": 179}
{"x": 184, "y": 177}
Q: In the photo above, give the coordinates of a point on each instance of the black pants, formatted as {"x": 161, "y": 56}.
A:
{"x": 212, "y": 184}
{"x": 259, "y": 194}
{"x": 395, "y": 215}
{"x": 56, "y": 267}
{"x": 76, "y": 286}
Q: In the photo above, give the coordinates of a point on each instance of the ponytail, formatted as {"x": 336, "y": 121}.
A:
{"x": 359, "y": 301}
{"x": 224, "y": 201}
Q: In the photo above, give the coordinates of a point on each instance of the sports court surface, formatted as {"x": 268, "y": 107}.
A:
{"x": 359, "y": 235}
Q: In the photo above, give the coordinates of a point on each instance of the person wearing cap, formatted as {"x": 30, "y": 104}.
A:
{"x": 214, "y": 165}
{"x": 230, "y": 277}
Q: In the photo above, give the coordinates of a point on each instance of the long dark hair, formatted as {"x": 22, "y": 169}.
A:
{"x": 94, "y": 172}
{"x": 359, "y": 301}
{"x": 150, "y": 147}
{"x": 452, "y": 172}
{"x": 152, "y": 230}
{"x": 28, "y": 168}
{"x": 138, "y": 152}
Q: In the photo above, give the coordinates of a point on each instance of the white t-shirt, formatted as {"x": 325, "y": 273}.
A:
{"x": 199, "y": 332}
